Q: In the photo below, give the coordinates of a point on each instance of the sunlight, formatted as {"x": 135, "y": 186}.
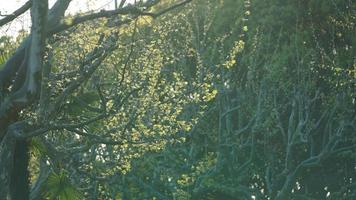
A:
{"x": 23, "y": 21}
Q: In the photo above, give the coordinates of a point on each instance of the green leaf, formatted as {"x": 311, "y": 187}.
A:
{"x": 59, "y": 187}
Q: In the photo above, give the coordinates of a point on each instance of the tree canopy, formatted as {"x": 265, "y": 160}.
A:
{"x": 180, "y": 99}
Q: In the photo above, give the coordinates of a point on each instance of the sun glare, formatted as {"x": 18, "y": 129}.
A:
{"x": 23, "y": 22}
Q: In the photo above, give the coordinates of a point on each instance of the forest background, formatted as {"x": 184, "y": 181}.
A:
{"x": 169, "y": 99}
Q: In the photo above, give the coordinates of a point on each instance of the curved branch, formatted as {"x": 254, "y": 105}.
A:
{"x": 8, "y": 73}
{"x": 102, "y": 14}
{"x": 16, "y": 13}
{"x": 38, "y": 35}
{"x": 56, "y": 13}
{"x": 127, "y": 10}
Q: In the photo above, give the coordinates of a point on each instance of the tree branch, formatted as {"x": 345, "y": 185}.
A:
{"x": 127, "y": 10}
{"x": 16, "y": 13}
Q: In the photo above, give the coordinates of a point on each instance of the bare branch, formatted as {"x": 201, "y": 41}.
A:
{"x": 122, "y": 3}
{"x": 171, "y": 8}
{"x": 102, "y": 14}
{"x": 38, "y": 35}
{"x": 128, "y": 10}
{"x": 57, "y": 11}
{"x": 16, "y": 13}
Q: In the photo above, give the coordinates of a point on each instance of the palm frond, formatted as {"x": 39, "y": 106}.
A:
{"x": 59, "y": 187}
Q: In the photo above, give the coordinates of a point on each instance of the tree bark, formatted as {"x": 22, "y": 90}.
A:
{"x": 13, "y": 150}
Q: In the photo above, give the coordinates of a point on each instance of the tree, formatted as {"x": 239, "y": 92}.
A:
{"x": 25, "y": 82}
{"x": 276, "y": 128}
{"x": 216, "y": 100}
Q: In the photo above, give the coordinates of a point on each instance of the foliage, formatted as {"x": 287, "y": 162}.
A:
{"x": 216, "y": 100}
